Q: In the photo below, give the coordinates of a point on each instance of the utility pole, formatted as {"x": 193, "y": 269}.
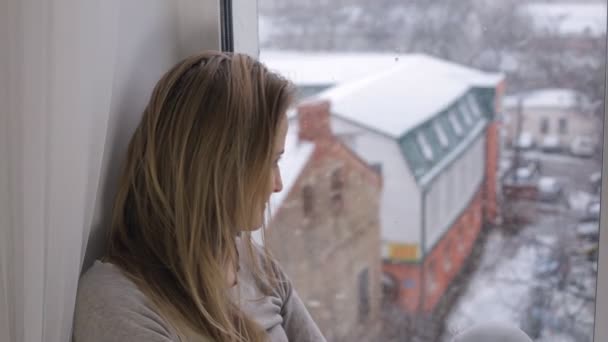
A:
{"x": 518, "y": 128}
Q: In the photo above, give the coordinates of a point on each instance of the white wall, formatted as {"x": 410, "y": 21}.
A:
{"x": 452, "y": 190}
{"x": 578, "y": 124}
{"x": 400, "y": 200}
{"x": 75, "y": 76}
{"x": 148, "y": 44}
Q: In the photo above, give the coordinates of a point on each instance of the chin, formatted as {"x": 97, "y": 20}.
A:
{"x": 253, "y": 228}
{"x": 256, "y": 225}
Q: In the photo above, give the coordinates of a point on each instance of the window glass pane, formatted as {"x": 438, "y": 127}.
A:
{"x": 466, "y": 114}
{"x": 427, "y": 151}
{"x": 473, "y": 105}
{"x": 443, "y": 138}
{"x": 469, "y": 173}
{"x": 455, "y": 123}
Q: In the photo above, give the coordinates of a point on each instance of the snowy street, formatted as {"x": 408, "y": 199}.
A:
{"x": 538, "y": 276}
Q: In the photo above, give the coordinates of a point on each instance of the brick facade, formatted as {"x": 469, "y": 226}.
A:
{"x": 441, "y": 264}
{"x": 326, "y": 234}
{"x": 490, "y": 196}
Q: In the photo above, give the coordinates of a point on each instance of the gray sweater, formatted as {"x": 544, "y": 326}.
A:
{"x": 111, "y": 308}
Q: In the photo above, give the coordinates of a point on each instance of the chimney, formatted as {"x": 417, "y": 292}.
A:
{"x": 313, "y": 121}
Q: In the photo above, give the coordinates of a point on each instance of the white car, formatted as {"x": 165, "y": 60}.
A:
{"x": 549, "y": 189}
{"x": 550, "y": 143}
{"x": 525, "y": 141}
{"x": 582, "y": 147}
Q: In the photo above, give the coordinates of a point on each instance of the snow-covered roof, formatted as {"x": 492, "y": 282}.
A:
{"x": 569, "y": 18}
{"x": 548, "y": 98}
{"x": 400, "y": 98}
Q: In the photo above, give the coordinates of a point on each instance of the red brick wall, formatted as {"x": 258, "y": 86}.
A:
{"x": 455, "y": 246}
{"x": 491, "y": 173}
{"x": 490, "y": 196}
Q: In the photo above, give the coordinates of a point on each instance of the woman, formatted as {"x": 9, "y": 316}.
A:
{"x": 200, "y": 167}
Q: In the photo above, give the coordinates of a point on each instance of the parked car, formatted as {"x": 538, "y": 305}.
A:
{"x": 525, "y": 141}
{"x": 589, "y": 231}
{"x": 527, "y": 170}
{"x": 549, "y": 189}
{"x": 593, "y": 210}
{"x": 582, "y": 147}
{"x": 590, "y": 251}
{"x": 550, "y": 143}
{"x": 595, "y": 182}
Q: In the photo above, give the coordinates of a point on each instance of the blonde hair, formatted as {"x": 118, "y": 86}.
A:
{"x": 197, "y": 169}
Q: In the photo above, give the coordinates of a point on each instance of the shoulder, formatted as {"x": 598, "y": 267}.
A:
{"x": 273, "y": 278}
{"x": 110, "y": 307}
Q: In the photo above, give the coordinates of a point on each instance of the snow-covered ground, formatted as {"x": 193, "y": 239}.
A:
{"x": 536, "y": 279}
{"x": 517, "y": 283}
{"x": 500, "y": 290}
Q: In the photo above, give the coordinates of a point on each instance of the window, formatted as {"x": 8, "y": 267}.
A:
{"x": 473, "y": 105}
{"x": 466, "y": 114}
{"x": 544, "y": 125}
{"x": 443, "y": 138}
{"x": 563, "y": 126}
{"x": 364, "y": 302}
{"x": 455, "y": 123}
{"x": 307, "y": 200}
{"x": 447, "y": 256}
{"x": 337, "y": 185}
{"x": 437, "y": 115}
{"x": 460, "y": 245}
{"x": 427, "y": 150}
{"x": 431, "y": 281}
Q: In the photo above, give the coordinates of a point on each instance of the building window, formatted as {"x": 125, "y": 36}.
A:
{"x": 431, "y": 282}
{"x": 427, "y": 150}
{"x": 443, "y": 138}
{"x": 337, "y": 185}
{"x": 390, "y": 288}
{"x": 364, "y": 305}
{"x": 544, "y": 125}
{"x": 563, "y": 126}
{"x": 307, "y": 200}
{"x": 466, "y": 114}
{"x": 447, "y": 256}
{"x": 473, "y": 105}
{"x": 455, "y": 123}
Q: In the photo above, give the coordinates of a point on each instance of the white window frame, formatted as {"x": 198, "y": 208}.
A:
{"x": 601, "y": 297}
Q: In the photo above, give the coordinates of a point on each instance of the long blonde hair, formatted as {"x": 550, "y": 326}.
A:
{"x": 197, "y": 169}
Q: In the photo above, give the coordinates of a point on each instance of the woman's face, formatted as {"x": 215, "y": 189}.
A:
{"x": 276, "y": 183}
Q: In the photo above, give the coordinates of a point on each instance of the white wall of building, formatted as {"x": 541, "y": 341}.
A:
{"x": 577, "y": 124}
{"x": 400, "y": 200}
{"x": 452, "y": 190}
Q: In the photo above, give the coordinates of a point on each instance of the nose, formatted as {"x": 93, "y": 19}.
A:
{"x": 278, "y": 183}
